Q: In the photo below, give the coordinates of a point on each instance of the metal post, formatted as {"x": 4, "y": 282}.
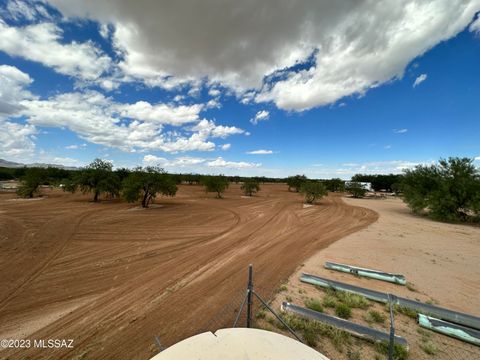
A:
{"x": 240, "y": 310}
{"x": 160, "y": 346}
{"x": 249, "y": 295}
{"x": 278, "y": 317}
{"x": 391, "y": 345}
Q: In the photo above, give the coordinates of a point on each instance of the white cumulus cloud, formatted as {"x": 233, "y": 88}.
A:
{"x": 161, "y": 113}
{"x": 260, "y": 116}
{"x": 341, "y": 48}
{"x": 16, "y": 140}
{"x": 260, "y": 152}
{"x": 43, "y": 43}
{"x": 347, "y": 170}
{"x": 177, "y": 162}
{"x": 13, "y": 83}
{"x": 208, "y": 128}
{"x": 75, "y": 146}
{"x": 101, "y": 120}
{"x": 421, "y": 78}
{"x": 94, "y": 117}
{"x": 25, "y": 10}
{"x": 196, "y": 163}
{"x": 475, "y": 26}
{"x": 221, "y": 163}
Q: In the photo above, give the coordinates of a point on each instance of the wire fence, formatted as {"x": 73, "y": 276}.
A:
{"x": 423, "y": 343}
{"x": 226, "y": 316}
{"x": 236, "y": 314}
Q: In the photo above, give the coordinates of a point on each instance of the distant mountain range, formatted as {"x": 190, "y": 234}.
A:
{"x": 11, "y": 164}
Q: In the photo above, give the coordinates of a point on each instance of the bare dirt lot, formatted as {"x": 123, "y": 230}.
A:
{"x": 112, "y": 276}
{"x": 439, "y": 260}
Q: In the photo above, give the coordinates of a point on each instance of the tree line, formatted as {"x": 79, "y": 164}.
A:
{"x": 448, "y": 190}
{"x": 140, "y": 184}
{"x": 390, "y": 182}
{"x": 316, "y": 189}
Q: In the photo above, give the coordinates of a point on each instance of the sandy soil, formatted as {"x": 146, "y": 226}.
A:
{"x": 440, "y": 262}
{"x": 112, "y": 279}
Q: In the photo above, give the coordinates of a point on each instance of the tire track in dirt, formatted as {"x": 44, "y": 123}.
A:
{"x": 42, "y": 267}
{"x": 173, "y": 293}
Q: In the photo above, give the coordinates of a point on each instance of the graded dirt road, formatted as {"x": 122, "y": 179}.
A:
{"x": 111, "y": 276}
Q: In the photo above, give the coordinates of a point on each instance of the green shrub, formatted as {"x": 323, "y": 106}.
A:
{"x": 411, "y": 287}
{"x": 399, "y": 351}
{"x": 339, "y": 337}
{"x": 311, "y": 330}
{"x": 374, "y": 316}
{"x": 260, "y": 314}
{"x": 352, "y": 300}
{"x": 429, "y": 348}
{"x": 353, "y": 355}
{"x": 310, "y": 337}
{"x": 329, "y": 301}
{"x": 356, "y": 189}
{"x": 406, "y": 311}
{"x": 314, "y": 304}
{"x": 343, "y": 310}
{"x": 449, "y": 190}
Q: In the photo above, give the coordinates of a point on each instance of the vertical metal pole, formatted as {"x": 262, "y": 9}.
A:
{"x": 249, "y": 295}
{"x": 160, "y": 346}
{"x": 392, "y": 328}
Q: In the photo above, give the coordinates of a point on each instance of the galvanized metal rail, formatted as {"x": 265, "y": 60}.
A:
{"x": 356, "y": 330}
{"x": 369, "y": 273}
{"x": 463, "y": 333}
{"x": 438, "y": 312}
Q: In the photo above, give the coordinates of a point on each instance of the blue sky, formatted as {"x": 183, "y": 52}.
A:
{"x": 205, "y": 89}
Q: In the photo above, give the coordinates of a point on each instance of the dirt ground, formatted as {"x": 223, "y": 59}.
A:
{"x": 111, "y": 276}
{"x": 440, "y": 262}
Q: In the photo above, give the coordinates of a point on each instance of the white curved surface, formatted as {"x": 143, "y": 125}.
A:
{"x": 239, "y": 343}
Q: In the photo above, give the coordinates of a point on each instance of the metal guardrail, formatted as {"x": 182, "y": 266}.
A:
{"x": 463, "y": 333}
{"x": 356, "y": 330}
{"x": 441, "y": 313}
{"x": 369, "y": 273}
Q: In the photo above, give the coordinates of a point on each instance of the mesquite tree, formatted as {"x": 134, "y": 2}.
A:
{"x": 250, "y": 187}
{"x": 296, "y": 182}
{"x": 31, "y": 181}
{"x": 97, "y": 178}
{"x": 313, "y": 190}
{"x": 216, "y": 184}
{"x": 356, "y": 189}
{"x": 146, "y": 183}
{"x": 449, "y": 190}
